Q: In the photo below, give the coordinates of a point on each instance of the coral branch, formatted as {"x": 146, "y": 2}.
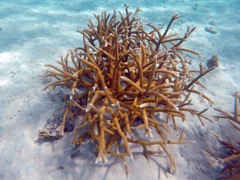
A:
{"x": 118, "y": 82}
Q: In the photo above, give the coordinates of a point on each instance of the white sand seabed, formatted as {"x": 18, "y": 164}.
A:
{"x": 34, "y": 34}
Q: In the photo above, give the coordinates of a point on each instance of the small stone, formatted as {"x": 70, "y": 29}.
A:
{"x": 211, "y": 29}
{"x": 213, "y": 62}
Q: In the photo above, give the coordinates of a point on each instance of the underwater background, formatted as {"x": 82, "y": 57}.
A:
{"x": 34, "y": 33}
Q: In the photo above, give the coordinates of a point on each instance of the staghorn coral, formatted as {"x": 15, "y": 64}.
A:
{"x": 231, "y": 152}
{"x": 121, "y": 77}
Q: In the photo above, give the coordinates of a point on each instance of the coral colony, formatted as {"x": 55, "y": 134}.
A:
{"x": 230, "y": 154}
{"x": 120, "y": 79}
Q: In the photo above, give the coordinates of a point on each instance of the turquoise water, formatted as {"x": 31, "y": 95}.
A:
{"x": 23, "y": 21}
{"x": 34, "y": 33}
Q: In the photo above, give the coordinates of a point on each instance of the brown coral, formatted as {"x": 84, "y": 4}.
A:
{"x": 231, "y": 153}
{"x": 121, "y": 78}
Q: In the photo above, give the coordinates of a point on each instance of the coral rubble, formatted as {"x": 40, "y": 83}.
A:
{"x": 120, "y": 79}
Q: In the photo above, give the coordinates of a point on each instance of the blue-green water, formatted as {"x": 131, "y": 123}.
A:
{"x": 34, "y": 33}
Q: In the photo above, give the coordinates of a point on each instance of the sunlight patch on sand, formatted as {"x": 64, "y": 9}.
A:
{"x": 8, "y": 57}
{"x": 4, "y": 82}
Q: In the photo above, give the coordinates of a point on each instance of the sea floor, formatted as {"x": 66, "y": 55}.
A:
{"x": 34, "y": 33}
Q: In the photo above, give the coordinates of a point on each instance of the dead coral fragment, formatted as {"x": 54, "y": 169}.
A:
{"x": 123, "y": 76}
